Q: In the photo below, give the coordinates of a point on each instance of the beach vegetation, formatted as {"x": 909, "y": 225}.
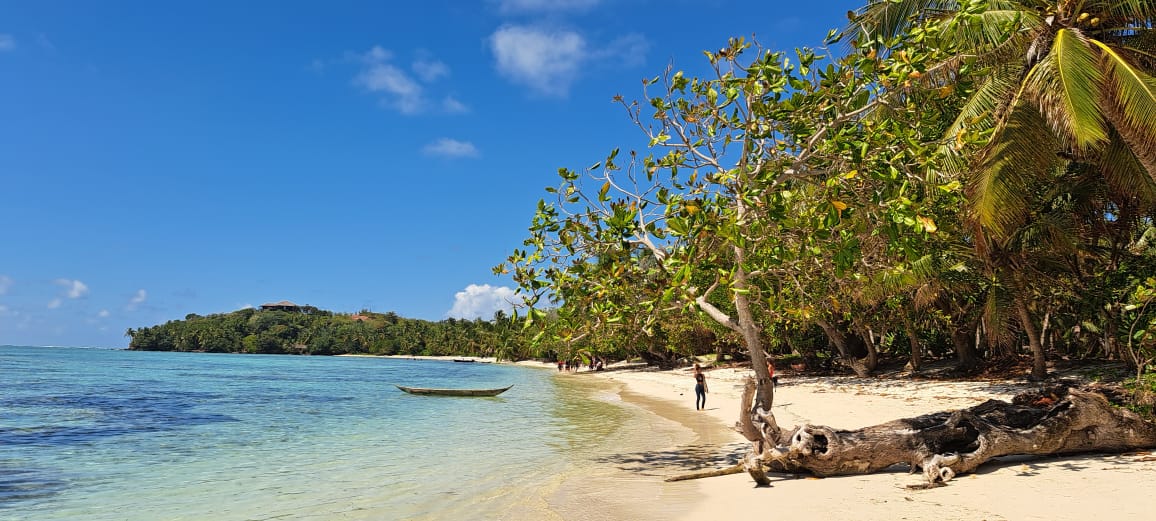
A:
{"x": 941, "y": 180}
{"x": 969, "y": 178}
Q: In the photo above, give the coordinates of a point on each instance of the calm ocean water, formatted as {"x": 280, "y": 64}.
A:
{"x": 89, "y": 434}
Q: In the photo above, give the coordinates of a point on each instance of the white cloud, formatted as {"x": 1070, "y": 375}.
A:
{"x": 430, "y": 70}
{"x": 447, "y": 147}
{"x": 481, "y": 301}
{"x": 74, "y": 289}
{"x": 545, "y": 60}
{"x": 404, "y": 94}
{"x": 7, "y": 42}
{"x": 451, "y": 105}
{"x": 539, "y": 6}
{"x": 377, "y": 54}
{"x": 137, "y": 299}
{"x": 103, "y": 313}
{"x": 54, "y": 303}
{"x": 628, "y": 51}
{"x": 401, "y": 92}
{"x": 5, "y": 284}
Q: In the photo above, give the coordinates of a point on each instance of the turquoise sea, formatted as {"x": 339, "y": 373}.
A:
{"x": 93, "y": 434}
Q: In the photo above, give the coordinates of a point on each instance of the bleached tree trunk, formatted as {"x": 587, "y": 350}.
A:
{"x": 946, "y": 444}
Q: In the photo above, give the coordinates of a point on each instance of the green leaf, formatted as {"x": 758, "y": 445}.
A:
{"x": 1132, "y": 93}
{"x": 1023, "y": 151}
{"x": 1066, "y": 86}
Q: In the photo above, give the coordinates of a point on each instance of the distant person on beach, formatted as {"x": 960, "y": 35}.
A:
{"x": 699, "y": 388}
{"x": 559, "y": 365}
{"x": 771, "y": 372}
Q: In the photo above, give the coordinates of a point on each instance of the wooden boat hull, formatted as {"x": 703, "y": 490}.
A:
{"x": 453, "y": 392}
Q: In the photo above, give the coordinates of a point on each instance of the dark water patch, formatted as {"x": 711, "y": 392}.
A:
{"x": 19, "y": 485}
{"x": 87, "y": 418}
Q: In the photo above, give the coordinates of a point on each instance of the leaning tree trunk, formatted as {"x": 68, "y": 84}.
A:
{"x": 963, "y": 339}
{"x": 857, "y": 356}
{"x": 946, "y": 444}
{"x": 1039, "y": 362}
{"x": 913, "y": 340}
{"x": 761, "y": 393}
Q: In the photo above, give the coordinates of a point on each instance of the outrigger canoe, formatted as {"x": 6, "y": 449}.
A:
{"x": 453, "y": 392}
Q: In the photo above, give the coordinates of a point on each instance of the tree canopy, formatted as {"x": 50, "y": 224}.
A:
{"x": 958, "y": 179}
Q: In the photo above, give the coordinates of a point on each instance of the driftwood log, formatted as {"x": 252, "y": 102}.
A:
{"x": 945, "y": 444}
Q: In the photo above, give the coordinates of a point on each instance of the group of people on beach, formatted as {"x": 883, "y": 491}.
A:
{"x": 596, "y": 364}
{"x": 700, "y": 387}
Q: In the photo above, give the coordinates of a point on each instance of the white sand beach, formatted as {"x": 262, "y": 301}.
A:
{"x": 1077, "y": 488}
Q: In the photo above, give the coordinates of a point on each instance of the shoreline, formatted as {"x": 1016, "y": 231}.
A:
{"x": 1105, "y": 486}
{"x": 1079, "y": 487}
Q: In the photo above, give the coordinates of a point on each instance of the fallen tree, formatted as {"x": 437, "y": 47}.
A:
{"x": 1054, "y": 421}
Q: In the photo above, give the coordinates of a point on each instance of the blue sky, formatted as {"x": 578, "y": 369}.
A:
{"x": 165, "y": 158}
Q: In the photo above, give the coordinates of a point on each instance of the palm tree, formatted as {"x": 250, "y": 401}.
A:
{"x": 1058, "y": 81}
{"x": 1052, "y": 87}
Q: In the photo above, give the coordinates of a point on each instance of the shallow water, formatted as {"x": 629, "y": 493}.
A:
{"x": 121, "y": 435}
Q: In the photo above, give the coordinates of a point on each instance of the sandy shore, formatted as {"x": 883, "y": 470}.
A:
{"x": 1102, "y": 487}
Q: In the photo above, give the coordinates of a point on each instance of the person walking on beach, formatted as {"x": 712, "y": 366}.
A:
{"x": 699, "y": 388}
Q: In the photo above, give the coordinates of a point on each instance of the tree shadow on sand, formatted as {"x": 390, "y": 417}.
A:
{"x": 686, "y": 458}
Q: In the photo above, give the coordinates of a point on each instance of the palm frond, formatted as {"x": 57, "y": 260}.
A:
{"x": 1066, "y": 86}
{"x": 999, "y": 317}
{"x": 1125, "y": 174}
{"x": 1049, "y": 236}
{"x": 978, "y": 113}
{"x": 1131, "y": 104}
{"x": 1136, "y": 11}
{"x": 1140, "y": 40}
{"x": 1021, "y": 152}
{"x": 884, "y": 19}
{"x": 987, "y": 31}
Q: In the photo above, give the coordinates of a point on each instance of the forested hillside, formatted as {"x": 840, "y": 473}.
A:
{"x": 313, "y": 331}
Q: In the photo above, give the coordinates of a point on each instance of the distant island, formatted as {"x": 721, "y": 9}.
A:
{"x": 287, "y": 328}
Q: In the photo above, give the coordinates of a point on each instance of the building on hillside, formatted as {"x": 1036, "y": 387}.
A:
{"x": 358, "y": 318}
{"x": 284, "y": 305}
